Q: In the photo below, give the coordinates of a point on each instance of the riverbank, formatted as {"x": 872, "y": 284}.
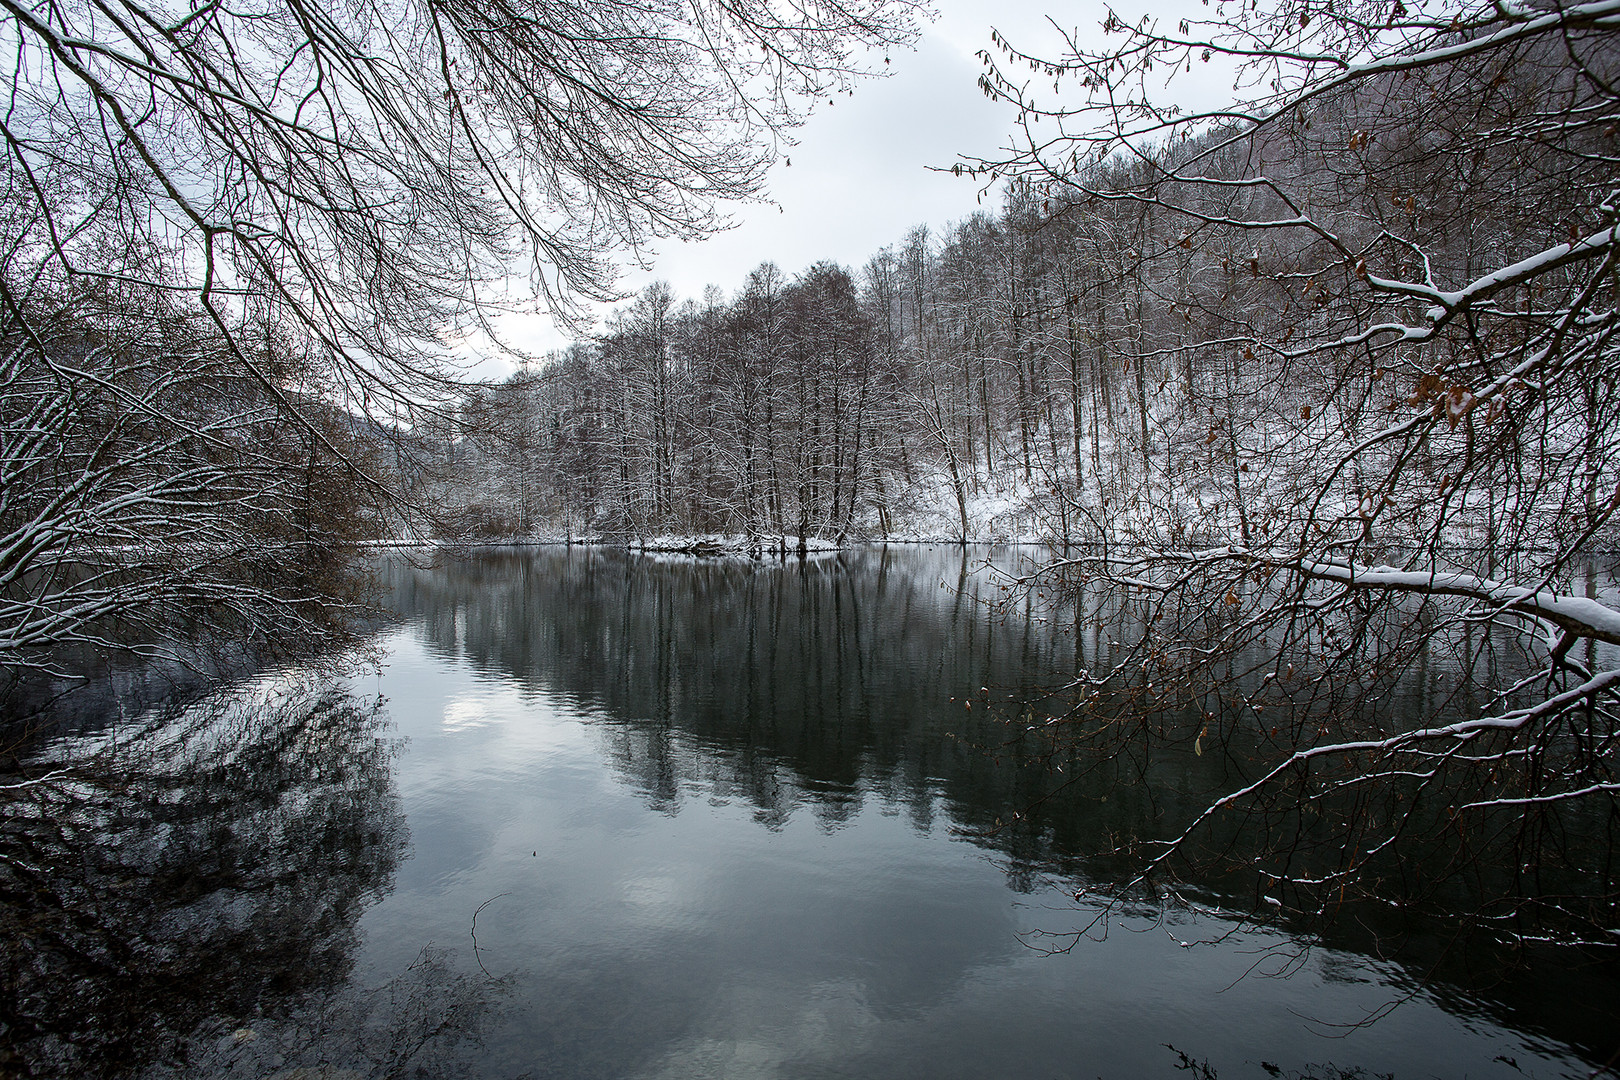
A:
{"x": 698, "y": 544}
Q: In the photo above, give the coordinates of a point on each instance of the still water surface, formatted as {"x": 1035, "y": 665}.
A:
{"x": 734, "y": 820}
{"x": 626, "y": 817}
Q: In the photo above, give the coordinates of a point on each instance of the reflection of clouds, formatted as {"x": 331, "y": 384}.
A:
{"x": 763, "y": 1032}
{"x": 1103, "y": 1011}
{"x": 654, "y": 891}
{"x": 518, "y": 724}
{"x": 495, "y": 706}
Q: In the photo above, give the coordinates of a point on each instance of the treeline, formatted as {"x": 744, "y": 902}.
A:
{"x": 975, "y": 374}
{"x": 1149, "y": 348}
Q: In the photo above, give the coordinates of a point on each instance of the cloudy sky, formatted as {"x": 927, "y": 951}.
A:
{"x": 859, "y": 177}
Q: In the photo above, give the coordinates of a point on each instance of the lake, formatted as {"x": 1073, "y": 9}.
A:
{"x": 582, "y": 813}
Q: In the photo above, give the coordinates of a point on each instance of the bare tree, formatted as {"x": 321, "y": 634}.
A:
{"x": 150, "y": 490}
{"x": 1396, "y": 262}
{"x": 327, "y": 200}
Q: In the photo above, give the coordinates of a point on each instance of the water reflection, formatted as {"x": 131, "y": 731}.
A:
{"x": 180, "y": 895}
{"x": 835, "y": 695}
{"x": 676, "y": 819}
{"x": 807, "y": 684}
{"x": 888, "y": 674}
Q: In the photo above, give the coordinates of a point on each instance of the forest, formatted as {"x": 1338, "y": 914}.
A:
{"x": 1120, "y": 354}
{"x": 1312, "y": 383}
{"x": 1316, "y": 388}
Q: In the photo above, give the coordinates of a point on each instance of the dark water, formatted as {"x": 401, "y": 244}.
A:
{"x": 616, "y": 816}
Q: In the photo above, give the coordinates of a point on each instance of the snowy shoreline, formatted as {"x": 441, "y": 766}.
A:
{"x": 709, "y": 545}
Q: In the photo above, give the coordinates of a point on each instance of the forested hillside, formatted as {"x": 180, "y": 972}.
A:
{"x": 1111, "y": 356}
{"x": 1004, "y": 379}
{"x": 1319, "y": 386}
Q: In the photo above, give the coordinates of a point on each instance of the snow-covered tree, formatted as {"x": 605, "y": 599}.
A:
{"x": 315, "y": 204}
{"x": 1394, "y": 262}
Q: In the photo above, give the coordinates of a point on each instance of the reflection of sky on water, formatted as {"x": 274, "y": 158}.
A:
{"x": 663, "y": 918}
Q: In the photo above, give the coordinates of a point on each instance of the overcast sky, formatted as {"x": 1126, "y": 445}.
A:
{"x": 859, "y": 177}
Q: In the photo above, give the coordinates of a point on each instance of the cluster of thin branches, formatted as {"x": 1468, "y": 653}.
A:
{"x": 1394, "y": 263}
{"x": 243, "y": 241}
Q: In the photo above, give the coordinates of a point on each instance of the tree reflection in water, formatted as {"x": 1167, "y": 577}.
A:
{"x": 892, "y": 680}
{"x": 180, "y": 896}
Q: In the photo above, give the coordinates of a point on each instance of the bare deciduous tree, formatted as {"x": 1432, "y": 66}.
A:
{"x": 1395, "y": 269}
{"x": 322, "y": 201}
